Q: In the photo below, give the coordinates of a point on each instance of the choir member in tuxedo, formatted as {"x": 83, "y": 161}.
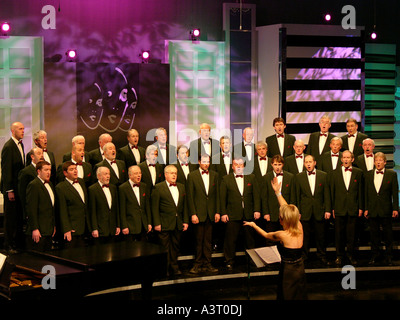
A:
{"x": 203, "y": 204}
{"x": 240, "y": 201}
{"x": 12, "y": 162}
{"x": 183, "y": 164}
{"x": 330, "y": 160}
{"x": 222, "y": 162}
{"x": 347, "y": 194}
{"x": 152, "y": 171}
{"x": 97, "y": 155}
{"x": 262, "y": 164}
{"x": 40, "y": 140}
{"x": 365, "y": 161}
{"x": 353, "y": 139}
{"x": 280, "y": 142}
{"x": 104, "y": 217}
{"x": 72, "y": 208}
{"x": 314, "y": 202}
{"x": 295, "y": 163}
{"x": 132, "y": 154}
{"x": 40, "y": 209}
{"x": 170, "y": 215}
{"x": 246, "y": 150}
{"x": 381, "y": 205}
{"x": 204, "y": 144}
{"x": 27, "y": 174}
{"x": 118, "y": 172}
{"x": 135, "y": 208}
{"x": 319, "y": 141}
{"x": 77, "y": 140}
{"x": 84, "y": 168}
{"x": 166, "y": 151}
{"x": 270, "y": 204}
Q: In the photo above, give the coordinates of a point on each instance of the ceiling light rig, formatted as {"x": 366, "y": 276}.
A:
{"x": 71, "y": 55}
{"x": 5, "y": 28}
{"x": 195, "y": 34}
{"x": 145, "y": 55}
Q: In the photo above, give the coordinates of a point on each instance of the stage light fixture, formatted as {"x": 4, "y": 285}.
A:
{"x": 328, "y": 17}
{"x": 195, "y": 34}
{"x": 145, "y": 55}
{"x": 5, "y": 28}
{"x": 374, "y": 35}
{"x": 71, "y": 55}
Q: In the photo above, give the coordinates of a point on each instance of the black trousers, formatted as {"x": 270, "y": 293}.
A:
{"x": 387, "y": 232}
{"x": 170, "y": 240}
{"x": 14, "y": 237}
{"x": 232, "y": 231}
{"x": 318, "y": 228}
{"x": 345, "y": 234}
{"x": 203, "y": 237}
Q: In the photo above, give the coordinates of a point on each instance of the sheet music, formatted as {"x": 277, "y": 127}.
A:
{"x": 2, "y": 261}
{"x": 265, "y": 255}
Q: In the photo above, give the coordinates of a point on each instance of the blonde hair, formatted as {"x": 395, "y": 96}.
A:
{"x": 290, "y": 217}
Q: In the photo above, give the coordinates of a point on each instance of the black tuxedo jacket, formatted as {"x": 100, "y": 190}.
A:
{"x": 170, "y": 154}
{"x": 134, "y": 216}
{"x": 257, "y": 170}
{"x": 359, "y": 162}
{"x": 71, "y": 210}
{"x": 88, "y": 176}
{"x": 11, "y": 165}
{"x": 52, "y": 162}
{"x": 313, "y": 145}
{"x": 146, "y": 176}
{"x": 25, "y": 176}
{"x": 39, "y": 208}
{"x": 218, "y": 165}
{"x": 114, "y": 179}
{"x": 291, "y": 165}
{"x": 236, "y": 206}
{"x": 357, "y": 145}
{"x": 163, "y": 208}
{"x": 101, "y": 217}
{"x": 273, "y": 146}
{"x": 325, "y": 162}
{"x": 196, "y": 148}
{"x": 125, "y": 154}
{"x": 347, "y": 201}
{"x": 181, "y": 175}
{"x": 384, "y": 202}
{"x": 270, "y": 203}
{"x": 240, "y": 150}
{"x": 200, "y": 202}
{"x": 95, "y": 156}
{"x": 313, "y": 205}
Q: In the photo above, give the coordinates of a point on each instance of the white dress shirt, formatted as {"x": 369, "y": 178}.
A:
{"x": 346, "y": 177}
{"x": 135, "y": 152}
{"x": 378, "y": 177}
{"x": 206, "y": 179}
{"x": 351, "y": 141}
{"x": 135, "y": 190}
{"x": 311, "y": 181}
{"x": 49, "y": 190}
{"x": 78, "y": 188}
{"x": 107, "y": 193}
{"x": 174, "y": 192}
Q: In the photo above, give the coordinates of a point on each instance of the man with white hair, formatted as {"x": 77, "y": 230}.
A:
{"x": 152, "y": 171}
{"x": 166, "y": 152}
{"x": 365, "y": 161}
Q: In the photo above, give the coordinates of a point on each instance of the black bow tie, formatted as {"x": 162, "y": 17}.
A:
{"x": 114, "y": 161}
{"x": 75, "y": 181}
{"x": 335, "y": 155}
{"x": 151, "y": 165}
{"x": 78, "y": 163}
{"x": 44, "y": 150}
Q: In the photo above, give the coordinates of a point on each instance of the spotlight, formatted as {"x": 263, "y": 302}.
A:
{"x": 71, "y": 55}
{"x": 5, "y": 28}
{"x": 145, "y": 56}
{"x": 195, "y": 34}
{"x": 373, "y": 35}
{"x": 328, "y": 17}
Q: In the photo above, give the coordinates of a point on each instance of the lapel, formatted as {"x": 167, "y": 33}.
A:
{"x": 71, "y": 188}
{"x": 307, "y": 183}
{"x": 103, "y": 196}
{"x": 168, "y": 192}
{"x": 44, "y": 190}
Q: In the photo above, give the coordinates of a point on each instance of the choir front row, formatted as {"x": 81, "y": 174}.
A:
{"x": 110, "y": 210}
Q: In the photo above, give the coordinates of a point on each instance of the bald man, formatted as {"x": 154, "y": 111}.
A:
{"x": 12, "y": 162}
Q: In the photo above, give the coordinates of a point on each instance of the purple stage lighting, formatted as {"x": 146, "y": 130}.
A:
{"x": 374, "y": 35}
{"x": 71, "y": 55}
{"x": 145, "y": 55}
{"x": 328, "y": 17}
{"x": 195, "y": 34}
{"x": 5, "y": 28}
